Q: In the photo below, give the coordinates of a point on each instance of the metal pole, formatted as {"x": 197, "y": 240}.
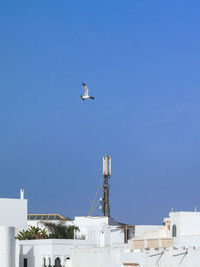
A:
{"x": 106, "y": 205}
{"x": 106, "y": 175}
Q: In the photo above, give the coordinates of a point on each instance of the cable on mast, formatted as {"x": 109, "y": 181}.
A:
{"x": 94, "y": 200}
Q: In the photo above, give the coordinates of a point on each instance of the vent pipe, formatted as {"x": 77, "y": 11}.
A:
{"x": 21, "y": 193}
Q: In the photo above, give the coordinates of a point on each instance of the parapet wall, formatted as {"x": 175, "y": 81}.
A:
{"x": 151, "y": 243}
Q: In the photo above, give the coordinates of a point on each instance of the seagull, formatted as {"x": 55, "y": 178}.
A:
{"x": 86, "y": 96}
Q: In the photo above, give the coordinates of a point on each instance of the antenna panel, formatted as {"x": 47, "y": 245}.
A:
{"x": 105, "y": 165}
{"x": 109, "y": 158}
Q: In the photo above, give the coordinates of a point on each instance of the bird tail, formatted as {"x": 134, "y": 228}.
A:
{"x": 91, "y": 97}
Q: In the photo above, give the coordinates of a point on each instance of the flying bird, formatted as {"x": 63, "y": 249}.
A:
{"x": 86, "y": 96}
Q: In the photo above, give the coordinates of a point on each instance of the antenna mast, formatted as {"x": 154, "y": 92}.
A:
{"x": 106, "y": 175}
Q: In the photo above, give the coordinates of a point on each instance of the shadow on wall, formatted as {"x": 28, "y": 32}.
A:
{"x": 27, "y": 259}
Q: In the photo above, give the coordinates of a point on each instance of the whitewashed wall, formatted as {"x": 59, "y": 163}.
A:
{"x": 36, "y": 250}
{"x": 188, "y": 223}
{"x": 13, "y": 213}
{"x": 117, "y": 257}
{"x": 140, "y": 230}
{"x": 7, "y": 246}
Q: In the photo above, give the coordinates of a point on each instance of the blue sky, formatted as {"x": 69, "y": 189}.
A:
{"x": 141, "y": 61}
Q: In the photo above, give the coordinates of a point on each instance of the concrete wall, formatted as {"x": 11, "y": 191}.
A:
{"x": 13, "y": 213}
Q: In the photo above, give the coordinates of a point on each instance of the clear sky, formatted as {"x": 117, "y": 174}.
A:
{"x": 141, "y": 61}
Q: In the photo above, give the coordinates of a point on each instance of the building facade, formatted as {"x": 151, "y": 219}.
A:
{"x": 101, "y": 241}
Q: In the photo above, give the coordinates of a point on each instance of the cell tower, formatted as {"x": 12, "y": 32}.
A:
{"x": 106, "y": 174}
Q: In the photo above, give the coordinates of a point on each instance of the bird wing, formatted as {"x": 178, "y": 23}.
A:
{"x": 86, "y": 88}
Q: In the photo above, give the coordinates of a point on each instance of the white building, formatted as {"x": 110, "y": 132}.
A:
{"x": 13, "y": 218}
{"x": 104, "y": 231}
{"x": 101, "y": 241}
{"x": 49, "y": 252}
{"x": 13, "y": 213}
{"x": 185, "y": 228}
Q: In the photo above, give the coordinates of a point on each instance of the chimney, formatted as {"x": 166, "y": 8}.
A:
{"x": 21, "y": 193}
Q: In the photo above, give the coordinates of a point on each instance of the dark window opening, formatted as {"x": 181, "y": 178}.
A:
{"x": 174, "y": 230}
{"x": 25, "y": 262}
{"x": 58, "y": 262}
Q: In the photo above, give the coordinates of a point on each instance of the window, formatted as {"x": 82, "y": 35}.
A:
{"x": 174, "y": 230}
{"x": 57, "y": 262}
{"x": 25, "y": 262}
